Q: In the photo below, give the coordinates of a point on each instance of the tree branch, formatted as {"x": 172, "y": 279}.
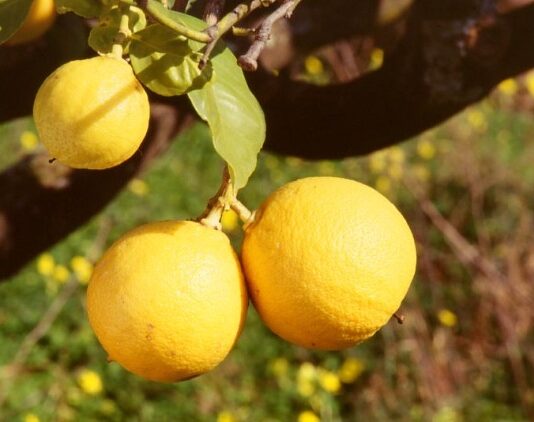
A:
{"x": 428, "y": 79}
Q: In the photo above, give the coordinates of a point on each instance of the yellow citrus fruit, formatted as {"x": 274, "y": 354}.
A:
{"x": 168, "y": 301}
{"x": 92, "y": 113}
{"x": 327, "y": 261}
{"x": 40, "y": 18}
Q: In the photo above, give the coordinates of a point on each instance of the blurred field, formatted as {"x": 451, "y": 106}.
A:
{"x": 464, "y": 353}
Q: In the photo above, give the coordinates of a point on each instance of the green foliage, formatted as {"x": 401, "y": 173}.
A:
{"x": 12, "y": 15}
{"x": 166, "y": 63}
{"x": 84, "y": 8}
{"x": 235, "y": 118}
{"x": 103, "y": 35}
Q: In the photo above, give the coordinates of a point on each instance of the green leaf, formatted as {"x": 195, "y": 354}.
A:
{"x": 84, "y": 8}
{"x": 165, "y": 63}
{"x": 233, "y": 114}
{"x": 102, "y": 36}
{"x": 12, "y": 15}
{"x": 223, "y": 100}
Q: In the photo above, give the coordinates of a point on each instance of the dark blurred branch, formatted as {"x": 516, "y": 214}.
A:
{"x": 441, "y": 66}
{"x": 41, "y": 203}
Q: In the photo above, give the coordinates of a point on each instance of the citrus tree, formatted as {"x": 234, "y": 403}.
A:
{"x": 92, "y": 112}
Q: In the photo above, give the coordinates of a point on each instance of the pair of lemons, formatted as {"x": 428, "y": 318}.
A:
{"x": 326, "y": 261}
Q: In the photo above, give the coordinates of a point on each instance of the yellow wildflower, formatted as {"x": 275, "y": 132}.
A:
{"x": 447, "y": 318}
{"x": 225, "y": 416}
{"x": 308, "y": 416}
{"x": 305, "y": 388}
{"x": 108, "y": 407}
{"x": 395, "y": 171}
{"x": 426, "y": 149}
{"x": 229, "y": 221}
{"x": 313, "y": 65}
{"x": 307, "y": 372}
{"x": 271, "y": 162}
{"x": 377, "y": 58}
{"x": 82, "y": 267}
{"x": 529, "y": 81}
{"x": 306, "y": 376}
{"x": 396, "y": 155}
{"x": 46, "y": 264}
{"x": 377, "y": 162}
{"x": 60, "y": 274}
{"x": 383, "y": 184}
{"x": 294, "y": 162}
{"x": 329, "y": 381}
{"x": 350, "y": 370}
{"x": 279, "y": 367}
{"x": 138, "y": 187}
{"x": 477, "y": 119}
{"x": 508, "y": 87}
{"x": 31, "y": 417}
{"x": 90, "y": 382}
{"x": 446, "y": 414}
{"x": 28, "y": 141}
{"x": 420, "y": 172}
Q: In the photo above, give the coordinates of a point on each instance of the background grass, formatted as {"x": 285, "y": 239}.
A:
{"x": 465, "y": 351}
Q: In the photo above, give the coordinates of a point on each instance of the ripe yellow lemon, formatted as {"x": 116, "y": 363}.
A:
{"x": 168, "y": 301}
{"x": 40, "y": 18}
{"x": 92, "y": 113}
{"x": 327, "y": 262}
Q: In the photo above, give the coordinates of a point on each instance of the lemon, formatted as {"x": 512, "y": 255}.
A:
{"x": 40, "y": 18}
{"x": 168, "y": 301}
{"x": 327, "y": 262}
{"x": 92, "y": 113}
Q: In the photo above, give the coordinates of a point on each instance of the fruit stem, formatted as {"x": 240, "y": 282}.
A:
{"x": 124, "y": 32}
{"x": 211, "y": 217}
{"x": 154, "y": 9}
{"x": 400, "y": 318}
{"x": 245, "y": 215}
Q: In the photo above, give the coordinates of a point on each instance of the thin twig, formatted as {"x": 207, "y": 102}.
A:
{"x": 249, "y": 60}
{"x": 124, "y": 32}
{"x": 213, "y": 11}
{"x": 245, "y": 215}
{"x": 215, "y": 32}
{"x": 157, "y": 11}
{"x": 399, "y": 317}
{"x": 211, "y": 216}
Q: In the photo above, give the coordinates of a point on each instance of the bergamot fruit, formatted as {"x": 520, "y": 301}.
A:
{"x": 40, "y": 19}
{"x": 168, "y": 301}
{"x": 92, "y": 113}
{"x": 327, "y": 261}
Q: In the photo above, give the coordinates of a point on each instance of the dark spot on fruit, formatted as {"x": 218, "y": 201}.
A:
{"x": 150, "y": 330}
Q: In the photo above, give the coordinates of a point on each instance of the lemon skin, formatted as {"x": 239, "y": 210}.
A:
{"x": 168, "y": 301}
{"x": 92, "y": 113}
{"x": 40, "y": 18}
{"x": 327, "y": 262}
